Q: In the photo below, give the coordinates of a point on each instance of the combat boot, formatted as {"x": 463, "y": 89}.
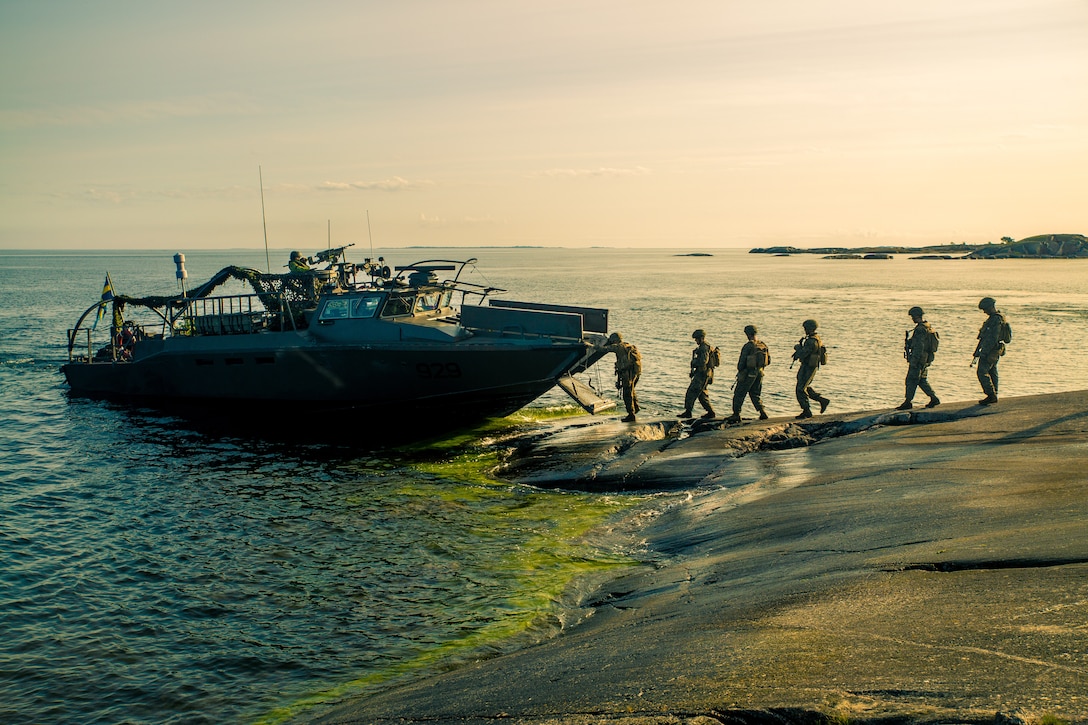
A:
{"x": 933, "y": 402}
{"x": 905, "y": 405}
{"x": 806, "y": 413}
{"x": 630, "y": 418}
{"x": 685, "y": 414}
{"x": 735, "y": 418}
{"x": 762, "y": 414}
{"x": 824, "y": 402}
{"x": 988, "y": 400}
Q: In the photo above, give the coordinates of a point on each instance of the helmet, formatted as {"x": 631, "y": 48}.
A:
{"x": 294, "y": 255}
{"x": 987, "y": 303}
{"x": 916, "y": 312}
{"x": 614, "y": 338}
{"x": 698, "y": 335}
{"x": 810, "y": 325}
{"x": 750, "y": 330}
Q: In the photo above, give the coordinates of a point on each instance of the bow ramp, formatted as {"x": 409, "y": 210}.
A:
{"x": 586, "y": 323}
{"x": 584, "y": 395}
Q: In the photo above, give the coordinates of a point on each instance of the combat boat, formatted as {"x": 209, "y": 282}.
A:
{"x": 384, "y": 346}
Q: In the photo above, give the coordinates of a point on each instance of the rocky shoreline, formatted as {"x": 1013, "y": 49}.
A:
{"x": 1042, "y": 246}
{"x": 919, "y": 566}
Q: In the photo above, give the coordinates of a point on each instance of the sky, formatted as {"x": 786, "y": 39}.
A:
{"x": 691, "y": 124}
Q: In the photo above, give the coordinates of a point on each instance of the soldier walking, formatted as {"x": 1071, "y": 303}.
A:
{"x": 809, "y": 351}
{"x": 628, "y": 370}
{"x": 919, "y": 349}
{"x": 754, "y": 356}
{"x": 993, "y": 335}
{"x": 701, "y": 374}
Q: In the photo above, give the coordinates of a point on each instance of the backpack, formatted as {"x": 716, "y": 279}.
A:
{"x": 759, "y": 358}
{"x": 1006, "y": 331}
{"x": 934, "y": 341}
{"x": 817, "y": 358}
{"x": 634, "y": 359}
{"x": 714, "y": 359}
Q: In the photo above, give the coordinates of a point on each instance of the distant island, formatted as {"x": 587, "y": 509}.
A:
{"x": 1042, "y": 246}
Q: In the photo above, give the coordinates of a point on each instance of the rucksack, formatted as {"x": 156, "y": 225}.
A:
{"x": 933, "y": 341}
{"x": 1006, "y": 331}
{"x": 759, "y": 358}
{"x": 714, "y": 359}
{"x": 823, "y": 354}
{"x": 634, "y": 358}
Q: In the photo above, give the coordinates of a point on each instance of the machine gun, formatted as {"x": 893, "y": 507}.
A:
{"x": 330, "y": 256}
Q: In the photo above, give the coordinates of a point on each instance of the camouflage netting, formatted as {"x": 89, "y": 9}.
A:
{"x": 298, "y": 290}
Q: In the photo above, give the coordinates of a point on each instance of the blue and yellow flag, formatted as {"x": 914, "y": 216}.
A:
{"x": 107, "y": 297}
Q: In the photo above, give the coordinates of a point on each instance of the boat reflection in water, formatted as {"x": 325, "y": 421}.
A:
{"x": 382, "y": 348}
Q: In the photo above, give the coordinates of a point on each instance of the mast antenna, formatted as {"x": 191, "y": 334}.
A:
{"x": 368, "y": 233}
{"x": 267, "y": 261}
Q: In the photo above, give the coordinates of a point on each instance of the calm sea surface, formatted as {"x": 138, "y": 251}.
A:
{"x": 155, "y": 571}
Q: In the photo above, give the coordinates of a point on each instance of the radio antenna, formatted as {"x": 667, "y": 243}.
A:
{"x": 368, "y": 233}
{"x": 267, "y": 261}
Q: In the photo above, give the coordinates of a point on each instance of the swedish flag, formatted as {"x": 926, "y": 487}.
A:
{"x": 107, "y": 297}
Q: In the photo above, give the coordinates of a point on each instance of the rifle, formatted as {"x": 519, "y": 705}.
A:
{"x": 906, "y": 345}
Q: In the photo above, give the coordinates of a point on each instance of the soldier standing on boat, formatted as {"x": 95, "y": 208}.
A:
{"x": 754, "y": 356}
{"x": 810, "y": 352}
{"x": 919, "y": 346}
{"x": 298, "y": 263}
{"x": 628, "y": 370}
{"x": 993, "y": 335}
{"x": 702, "y": 375}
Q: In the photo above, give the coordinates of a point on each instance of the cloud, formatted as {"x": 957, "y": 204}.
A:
{"x": 394, "y": 183}
{"x": 465, "y": 221}
{"x": 484, "y": 220}
{"x": 600, "y": 171}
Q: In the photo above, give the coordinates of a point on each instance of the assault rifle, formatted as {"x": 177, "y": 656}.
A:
{"x": 906, "y": 345}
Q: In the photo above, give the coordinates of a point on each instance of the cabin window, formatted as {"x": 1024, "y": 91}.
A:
{"x": 428, "y": 302}
{"x": 397, "y": 305}
{"x": 446, "y": 297}
{"x": 335, "y": 309}
{"x": 365, "y": 306}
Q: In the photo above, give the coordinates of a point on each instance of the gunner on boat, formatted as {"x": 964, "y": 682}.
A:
{"x": 299, "y": 263}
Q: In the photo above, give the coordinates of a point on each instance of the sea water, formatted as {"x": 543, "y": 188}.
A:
{"x": 153, "y": 570}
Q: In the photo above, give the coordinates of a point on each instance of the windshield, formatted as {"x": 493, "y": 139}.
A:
{"x": 365, "y": 306}
{"x": 398, "y": 305}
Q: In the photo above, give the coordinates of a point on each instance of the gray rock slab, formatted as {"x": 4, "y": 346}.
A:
{"x": 917, "y": 568}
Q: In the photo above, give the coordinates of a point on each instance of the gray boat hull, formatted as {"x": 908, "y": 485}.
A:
{"x": 464, "y": 381}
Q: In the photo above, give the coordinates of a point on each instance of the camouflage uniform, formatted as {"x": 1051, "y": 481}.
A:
{"x": 919, "y": 356}
{"x": 749, "y": 378}
{"x": 298, "y": 263}
{"x": 807, "y": 352}
{"x": 628, "y": 370}
{"x": 702, "y": 375}
{"x": 989, "y": 350}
